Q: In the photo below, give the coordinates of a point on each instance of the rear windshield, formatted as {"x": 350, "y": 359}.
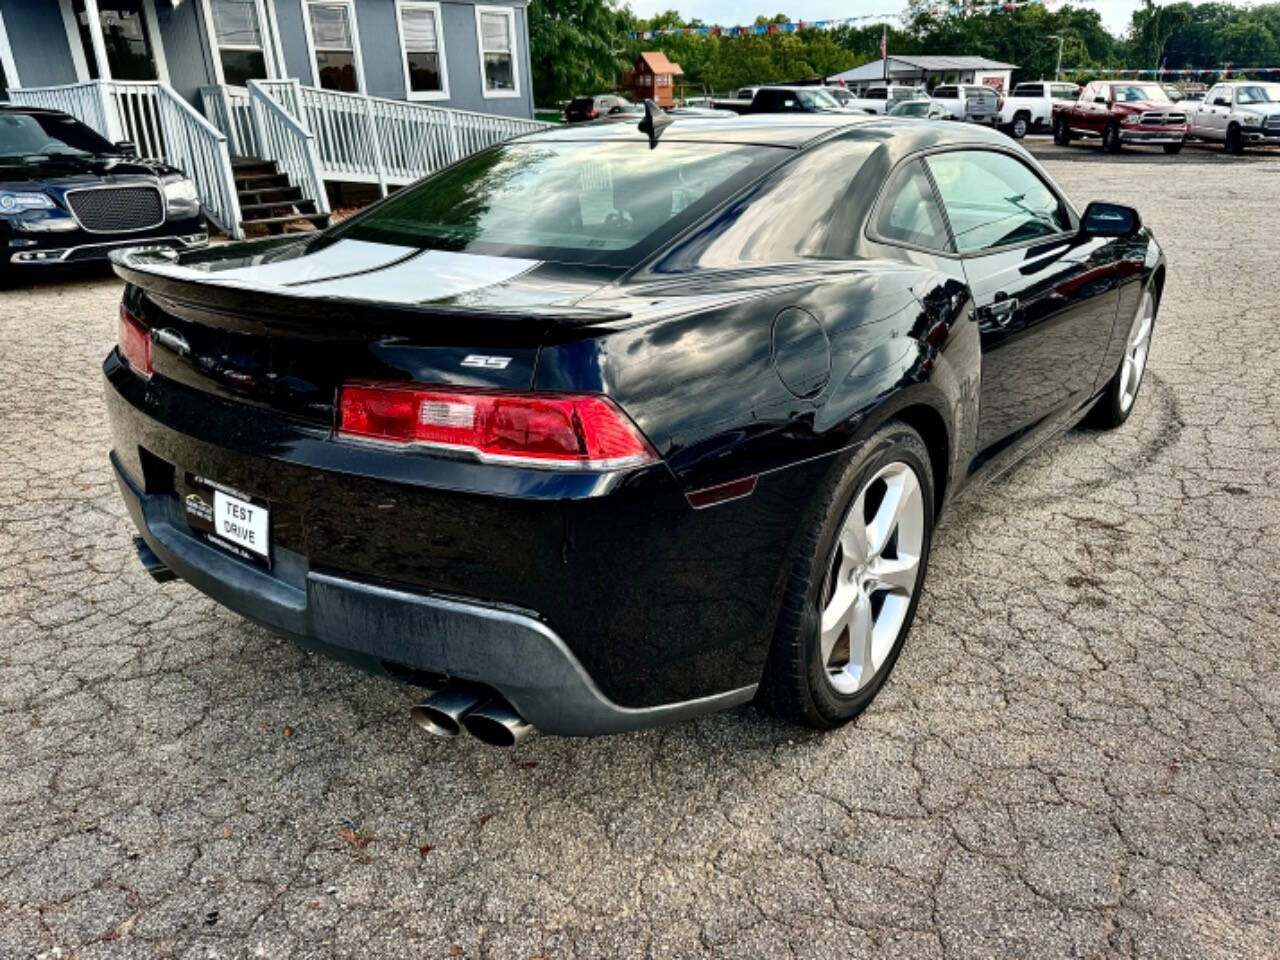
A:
{"x": 582, "y": 202}
{"x": 582, "y": 103}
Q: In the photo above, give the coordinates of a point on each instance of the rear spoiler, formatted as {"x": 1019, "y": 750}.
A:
{"x": 200, "y": 297}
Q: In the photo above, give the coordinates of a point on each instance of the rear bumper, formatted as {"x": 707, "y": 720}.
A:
{"x": 387, "y": 630}
{"x": 659, "y": 610}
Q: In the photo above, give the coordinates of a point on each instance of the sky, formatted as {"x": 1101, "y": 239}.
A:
{"x": 727, "y": 13}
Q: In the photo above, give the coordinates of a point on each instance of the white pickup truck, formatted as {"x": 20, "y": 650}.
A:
{"x": 1030, "y": 107}
{"x": 1237, "y": 112}
{"x": 882, "y": 99}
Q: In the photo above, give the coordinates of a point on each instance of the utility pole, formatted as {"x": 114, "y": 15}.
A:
{"x": 1057, "y": 73}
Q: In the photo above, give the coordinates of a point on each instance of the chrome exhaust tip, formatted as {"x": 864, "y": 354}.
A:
{"x": 497, "y": 724}
{"x": 442, "y": 713}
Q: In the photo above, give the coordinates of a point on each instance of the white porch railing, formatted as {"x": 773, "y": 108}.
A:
{"x": 283, "y": 139}
{"x": 196, "y": 146}
{"x": 84, "y": 101}
{"x": 376, "y": 140}
{"x": 161, "y": 125}
{"x": 228, "y": 109}
{"x": 313, "y": 135}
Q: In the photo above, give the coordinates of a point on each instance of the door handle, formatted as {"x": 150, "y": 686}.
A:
{"x": 1001, "y": 310}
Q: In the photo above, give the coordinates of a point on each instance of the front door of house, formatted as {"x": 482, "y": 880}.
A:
{"x": 126, "y": 37}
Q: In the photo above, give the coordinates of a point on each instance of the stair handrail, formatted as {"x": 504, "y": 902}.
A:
{"x": 283, "y": 138}
{"x": 200, "y": 150}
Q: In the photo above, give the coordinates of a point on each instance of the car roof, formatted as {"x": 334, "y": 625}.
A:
{"x": 19, "y": 108}
{"x": 780, "y": 130}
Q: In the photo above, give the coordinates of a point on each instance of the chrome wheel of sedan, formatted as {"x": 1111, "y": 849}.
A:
{"x": 873, "y": 577}
{"x": 1135, "y": 351}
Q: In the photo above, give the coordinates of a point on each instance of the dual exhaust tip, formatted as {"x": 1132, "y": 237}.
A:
{"x": 489, "y": 720}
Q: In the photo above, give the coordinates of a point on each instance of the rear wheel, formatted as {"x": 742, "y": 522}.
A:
{"x": 1021, "y": 124}
{"x": 1061, "y": 132}
{"x": 1234, "y": 144}
{"x": 852, "y": 595}
{"x": 1173, "y": 148}
{"x": 1111, "y": 138}
{"x": 1116, "y": 402}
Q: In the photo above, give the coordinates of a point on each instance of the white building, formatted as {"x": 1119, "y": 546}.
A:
{"x": 929, "y": 71}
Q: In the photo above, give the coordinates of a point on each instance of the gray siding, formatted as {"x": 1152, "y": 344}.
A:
{"x": 380, "y": 48}
{"x": 185, "y": 49}
{"x": 384, "y": 63}
{"x": 462, "y": 51}
{"x": 39, "y": 42}
{"x": 293, "y": 39}
{"x": 43, "y": 56}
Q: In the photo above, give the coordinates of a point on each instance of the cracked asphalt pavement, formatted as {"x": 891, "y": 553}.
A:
{"x": 1077, "y": 754}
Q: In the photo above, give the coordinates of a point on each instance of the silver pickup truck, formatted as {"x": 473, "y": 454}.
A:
{"x": 1236, "y": 113}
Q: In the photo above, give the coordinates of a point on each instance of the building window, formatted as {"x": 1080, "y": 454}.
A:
{"x": 425, "y": 75}
{"x": 237, "y": 30}
{"x": 496, "y": 28}
{"x": 333, "y": 41}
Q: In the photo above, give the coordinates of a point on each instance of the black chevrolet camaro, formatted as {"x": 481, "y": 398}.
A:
{"x": 67, "y": 195}
{"x": 599, "y": 429}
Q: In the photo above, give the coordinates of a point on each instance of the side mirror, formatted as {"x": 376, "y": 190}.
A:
{"x": 1101, "y": 100}
{"x": 1221, "y": 102}
{"x": 1109, "y": 220}
{"x": 127, "y": 148}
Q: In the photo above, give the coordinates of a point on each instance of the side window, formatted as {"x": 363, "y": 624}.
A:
{"x": 909, "y": 213}
{"x": 1064, "y": 92}
{"x": 945, "y": 93}
{"x": 993, "y": 200}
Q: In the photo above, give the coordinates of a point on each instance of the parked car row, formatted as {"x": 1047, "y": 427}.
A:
{"x": 1119, "y": 113}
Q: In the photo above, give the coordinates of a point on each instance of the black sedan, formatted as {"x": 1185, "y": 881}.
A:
{"x": 67, "y": 195}
{"x": 600, "y": 428}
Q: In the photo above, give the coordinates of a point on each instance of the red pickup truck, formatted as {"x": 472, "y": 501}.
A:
{"x": 1121, "y": 112}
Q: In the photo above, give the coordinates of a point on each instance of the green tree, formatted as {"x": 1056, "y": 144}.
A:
{"x": 573, "y": 47}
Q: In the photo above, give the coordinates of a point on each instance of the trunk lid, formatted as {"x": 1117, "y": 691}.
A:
{"x": 283, "y": 325}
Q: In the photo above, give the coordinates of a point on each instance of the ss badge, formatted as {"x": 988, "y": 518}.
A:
{"x": 489, "y": 363}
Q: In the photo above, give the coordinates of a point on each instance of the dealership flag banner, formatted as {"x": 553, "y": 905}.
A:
{"x": 792, "y": 27}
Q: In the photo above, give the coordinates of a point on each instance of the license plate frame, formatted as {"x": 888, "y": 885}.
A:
{"x": 211, "y": 505}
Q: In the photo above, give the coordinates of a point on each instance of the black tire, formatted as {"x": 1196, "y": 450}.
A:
{"x": 1021, "y": 126}
{"x": 795, "y": 685}
{"x": 1234, "y": 144}
{"x": 1061, "y": 132}
{"x": 1109, "y": 412}
{"x": 1111, "y": 138}
{"x": 1172, "y": 148}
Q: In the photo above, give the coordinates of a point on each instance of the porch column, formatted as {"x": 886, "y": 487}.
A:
{"x": 95, "y": 34}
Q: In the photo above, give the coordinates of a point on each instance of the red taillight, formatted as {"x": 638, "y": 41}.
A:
{"x": 1000, "y": 103}
{"x": 135, "y": 342}
{"x": 592, "y": 113}
{"x": 539, "y": 429}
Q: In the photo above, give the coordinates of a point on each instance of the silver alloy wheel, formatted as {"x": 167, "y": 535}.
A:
{"x": 872, "y": 577}
{"x": 1019, "y": 127}
{"x": 1135, "y": 351}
